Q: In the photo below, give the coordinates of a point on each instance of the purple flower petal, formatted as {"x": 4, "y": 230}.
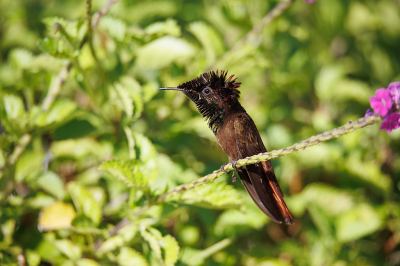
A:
{"x": 382, "y": 102}
{"x": 394, "y": 90}
{"x": 368, "y": 113}
{"x": 391, "y": 122}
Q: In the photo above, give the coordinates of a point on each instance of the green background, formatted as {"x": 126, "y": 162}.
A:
{"x": 71, "y": 99}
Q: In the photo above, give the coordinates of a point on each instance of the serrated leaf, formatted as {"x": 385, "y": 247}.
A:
{"x": 171, "y": 250}
{"x": 209, "y": 39}
{"x": 52, "y": 184}
{"x": 213, "y": 195}
{"x": 84, "y": 202}
{"x": 162, "y": 52}
{"x": 115, "y": 27}
{"x": 358, "y": 222}
{"x": 168, "y": 27}
{"x": 59, "y": 215}
{"x": 154, "y": 242}
{"x": 55, "y": 48}
{"x": 68, "y": 248}
{"x": 128, "y": 256}
{"x": 130, "y": 172}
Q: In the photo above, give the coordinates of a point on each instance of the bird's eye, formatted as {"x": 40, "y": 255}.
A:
{"x": 206, "y": 91}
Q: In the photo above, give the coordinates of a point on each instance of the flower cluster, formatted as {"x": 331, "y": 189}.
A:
{"x": 386, "y": 102}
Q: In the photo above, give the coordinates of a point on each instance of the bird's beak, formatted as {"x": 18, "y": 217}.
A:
{"x": 171, "y": 88}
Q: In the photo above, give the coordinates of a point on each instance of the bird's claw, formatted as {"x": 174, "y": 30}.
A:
{"x": 234, "y": 165}
{"x": 222, "y": 168}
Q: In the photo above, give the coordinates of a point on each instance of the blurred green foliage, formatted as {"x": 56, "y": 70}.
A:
{"x": 87, "y": 139}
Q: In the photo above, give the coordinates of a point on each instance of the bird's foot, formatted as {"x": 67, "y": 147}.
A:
{"x": 234, "y": 165}
{"x": 234, "y": 178}
{"x": 222, "y": 168}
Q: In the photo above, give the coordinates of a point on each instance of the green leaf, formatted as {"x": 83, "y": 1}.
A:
{"x": 81, "y": 148}
{"x": 82, "y": 222}
{"x": 209, "y": 39}
{"x": 171, "y": 250}
{"x": 68, "y": 248}
{"x": 128, "y": 256}
{"x": 168, "y": 27}
{"x": 13, "y": 106}
{"x": 233, "y": 222}
{"x": 32, "y": 258}
{"x": 358, "y": 222}
{"x": 215, "y": 195}
{"x": 112, "y": 243}
{"x": 130, "y": 172}
{"x": 51, "y": 183}
{"x": 58, "y": 113}
{"x": 333, "y": 200}
{"x": 162, "y": 52}
{"x": 147, "y": 150}
{"x": 55, "y": 47}
{"x": 153, "y": 240}
{"x": 115, "y": 27}
{"x": 87, "y": 262}
{"x": 30, "y": 164}
{"x": 84, "y": 202}
{"x": 187, "y": 255}
{"x": 369, "y": 171}
{"x": 20, "y": 58}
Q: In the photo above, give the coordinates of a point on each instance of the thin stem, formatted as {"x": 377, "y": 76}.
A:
{"x": 274, "y": 13}
{"x": 55, "y": 87}
{"x": 103, "y": 11}
{"x": 90, "y": 28}
{"x": 312, "y": 141}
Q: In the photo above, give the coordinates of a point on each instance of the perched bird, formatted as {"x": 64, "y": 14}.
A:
{"x": 217, "y": 99}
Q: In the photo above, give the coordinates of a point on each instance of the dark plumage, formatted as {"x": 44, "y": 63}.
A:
{"x": 217, "y": 99}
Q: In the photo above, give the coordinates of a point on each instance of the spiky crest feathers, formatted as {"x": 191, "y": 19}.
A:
{"x": 225, "y": 90}
{"x": 223, "y": 87}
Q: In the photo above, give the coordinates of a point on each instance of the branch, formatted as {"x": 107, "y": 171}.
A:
{"x": 312, "y": 141}
{"x": 90, "y": 27}
{"x": 274, "y": 13}
{"x": 103, "y": 11}
{"x": 55, "y": 87}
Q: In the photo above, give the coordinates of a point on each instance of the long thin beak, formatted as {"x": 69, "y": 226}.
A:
{"x": 171, "y": 88}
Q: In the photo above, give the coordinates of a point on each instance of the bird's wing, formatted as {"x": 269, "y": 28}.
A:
{"x": 259, "y": 179}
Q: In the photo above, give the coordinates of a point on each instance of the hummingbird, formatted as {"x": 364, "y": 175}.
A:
{"x": 217, "y": 99}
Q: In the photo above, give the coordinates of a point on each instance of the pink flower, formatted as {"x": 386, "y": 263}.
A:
{"x": 394, "y": 90}
{"x": 309, "y": 1}
{"x": 392, "y": 121}
{"x": 382, "y": 102}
